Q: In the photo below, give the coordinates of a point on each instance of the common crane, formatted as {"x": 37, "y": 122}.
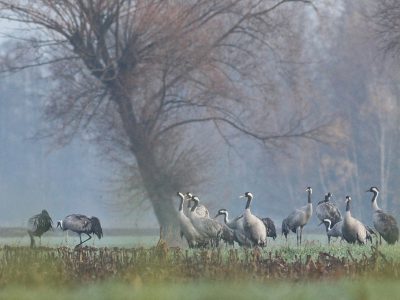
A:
{"x": 298, "y": 219}
{"x": 237, "y": 226}
{"x": 335, "y": 231}
{"x": 254, "y": 229}
{"x": 187, "y": 229}
{"x": 38, "y": 225}
{"x": 200, "y": 210}
{"x": 327, "y": 210}
{"x": 209, "y": 229}
{"x": 81, "y": 224}
{"x": 353, "y": 230}
{"x": 384, "y": 223}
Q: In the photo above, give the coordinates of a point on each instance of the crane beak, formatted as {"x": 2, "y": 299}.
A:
{"x": 242, "y": 196}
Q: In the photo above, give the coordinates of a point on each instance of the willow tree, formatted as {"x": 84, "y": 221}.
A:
{"x": 137, "y": 76}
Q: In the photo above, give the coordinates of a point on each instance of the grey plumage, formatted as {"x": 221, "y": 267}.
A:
{"x": 237, "y": 226}
{"x": 353, "y": 230}
{"x": 39, "y": 224}
{"x": 298, "y": 219}
{"x": 270, "y": 226}
{"x": 334, "y": 231}
{"x": 209, "y": 229}
{"x": 327, "y": 210}
{"x": 384, "y": 223}
{"x": 200, "y": 210}
{"x": 254, "y": 229}
{"x": 187, "y": 229}
{"x": 81, "y": 224}
{"x": 228, "y": 236}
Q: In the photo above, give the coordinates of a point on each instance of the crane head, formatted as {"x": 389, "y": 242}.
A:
{"x": 222, "y": 211}
{"x": 247, "y": 195}
{"x": 373, "y": 189}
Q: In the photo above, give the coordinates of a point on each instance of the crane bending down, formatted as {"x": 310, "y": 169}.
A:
{"x": 39, "y": 224}
{"x": 81, "y": 224}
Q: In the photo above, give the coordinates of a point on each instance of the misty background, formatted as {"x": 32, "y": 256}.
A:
{"x": 338, "y": 70}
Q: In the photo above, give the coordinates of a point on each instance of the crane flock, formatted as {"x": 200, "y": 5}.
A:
{"x": 247, "y": 229}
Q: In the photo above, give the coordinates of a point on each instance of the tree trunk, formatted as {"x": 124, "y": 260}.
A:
{"x": 160, "y": 193}
{"x": 159, "y": 189}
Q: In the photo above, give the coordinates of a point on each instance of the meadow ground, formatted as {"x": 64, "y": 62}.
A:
{"x": 342, "y": 289}
{"x": 127, "y": 267}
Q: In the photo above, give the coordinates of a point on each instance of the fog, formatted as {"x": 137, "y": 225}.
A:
{"x": 340, "y": 73}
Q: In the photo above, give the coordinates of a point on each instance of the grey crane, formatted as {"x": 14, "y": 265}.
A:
{"x": 327, "y": 210}
{"x": 353, "y": 230}
{"x": 384, "y": 223}
{"x": 298, "y": 219}
{"x": 81, "y": 224}
{"x": 335, "y": 231}
{"x": 200, "y": 210}
{"x": 39, "y": 224}
{"x": 209, "y": 229}
{"x": 228, "y": 235}
{"x": 270, "y": 226}
{"x": 187, "y": 229}
{"x": 254, "y": 229}
{"x": 237, "y": 226}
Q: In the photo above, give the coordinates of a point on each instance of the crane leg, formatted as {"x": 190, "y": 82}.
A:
{"x": 32, "y": 239}
{"x": 80, "y": 237}
{"x": 301, "y": 234}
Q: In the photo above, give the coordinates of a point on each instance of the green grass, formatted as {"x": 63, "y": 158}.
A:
{"x": 343, "y": 289}
{"x": 280, "y": 271}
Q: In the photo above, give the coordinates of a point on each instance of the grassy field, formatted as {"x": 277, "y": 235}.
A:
{"x": 343, "y": 289}
{"x": 138, "y": 268}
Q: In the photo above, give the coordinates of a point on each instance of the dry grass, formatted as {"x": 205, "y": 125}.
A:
{"x": 160, "y": 264}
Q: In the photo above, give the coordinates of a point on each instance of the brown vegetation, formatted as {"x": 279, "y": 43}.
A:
{"x": 137, "y": 266}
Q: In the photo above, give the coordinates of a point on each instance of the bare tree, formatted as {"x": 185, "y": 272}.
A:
{"x": 137, "y": 77}
{"x": 386, "y": 18}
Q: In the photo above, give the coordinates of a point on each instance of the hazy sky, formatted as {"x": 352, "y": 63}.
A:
{"x": 33, "y": 176}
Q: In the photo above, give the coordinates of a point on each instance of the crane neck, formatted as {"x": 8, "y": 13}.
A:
{"x": 249, "y": 198}
{"x": 196, "y": 203}
{"x": 181, "y": 205}
{"x": 329, "y": 224}
{"x": 309, "y": 197}
{"x": 226, "y": 217}
{"x": 348, "y": 213}
{"x": 375, "y": 206}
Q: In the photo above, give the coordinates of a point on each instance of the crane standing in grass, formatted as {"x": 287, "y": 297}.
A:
{"x": 254, "y": 229}
{"x": 333, "y": 231}
{"x": 327, "y": 210}
{"x": 39, "y": 224}
{"x": 187, "y": 229}
{"x": 81, "y": 224}
{"x": 384, "y": 223}
{"x": 237, "y": 226}
{"x": 353, "y": 230}
{"x": 298, "y": 219}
